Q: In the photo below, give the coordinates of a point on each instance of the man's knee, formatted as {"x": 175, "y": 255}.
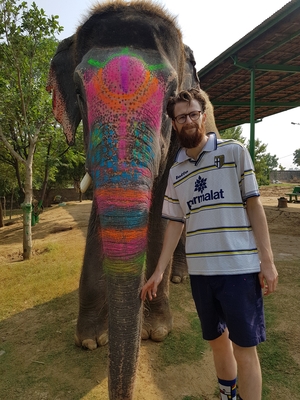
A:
{"x": 245, "y": 355}
{"x": 221, "y": 343}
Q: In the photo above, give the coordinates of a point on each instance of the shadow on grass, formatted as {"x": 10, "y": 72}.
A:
{"x": 39, "y": 360}
{"x": 38, "y": 357}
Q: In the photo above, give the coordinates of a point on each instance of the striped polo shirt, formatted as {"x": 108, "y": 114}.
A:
{"x": 209, "y": 195}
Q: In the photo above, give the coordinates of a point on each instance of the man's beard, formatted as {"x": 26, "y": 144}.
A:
{"x": 191, "y": 140}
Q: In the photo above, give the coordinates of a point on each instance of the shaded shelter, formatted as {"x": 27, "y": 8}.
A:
{"x": 259, "y": 75}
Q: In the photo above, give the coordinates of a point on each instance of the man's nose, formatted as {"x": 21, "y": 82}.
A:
{"x": 188, "y": 119}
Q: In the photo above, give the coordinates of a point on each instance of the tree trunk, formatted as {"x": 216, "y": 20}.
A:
{"x": 46, "y": 175}
{"x": 1, "y": 216}
{"x": 11, "y": 203}
{"x": 4, "y": 206}
{"x": 27, "y": 207}
{"x": 27, "y": 235}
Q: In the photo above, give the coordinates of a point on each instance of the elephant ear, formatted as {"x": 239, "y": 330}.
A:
{"x": 190, "y": 78}
{"x": 61, "y": 85}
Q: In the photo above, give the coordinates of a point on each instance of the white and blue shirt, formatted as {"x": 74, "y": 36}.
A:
{"x": 209, "y": 195}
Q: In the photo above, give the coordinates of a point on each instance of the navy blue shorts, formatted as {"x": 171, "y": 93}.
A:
{"x": 232, "y": 301}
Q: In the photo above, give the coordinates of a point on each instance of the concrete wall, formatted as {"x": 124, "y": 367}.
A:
{"x": 63, "y": 195}
{"x": 289, "y": 176}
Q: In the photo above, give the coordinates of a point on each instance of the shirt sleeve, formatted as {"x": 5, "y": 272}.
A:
{"x": 171, "y": 206}
{"x": 248, "y": 182}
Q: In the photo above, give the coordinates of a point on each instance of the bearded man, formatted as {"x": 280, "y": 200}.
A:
{"x": 213, "y": 192}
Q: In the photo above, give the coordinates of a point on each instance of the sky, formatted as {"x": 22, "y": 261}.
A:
{"x": 209, "y": 28}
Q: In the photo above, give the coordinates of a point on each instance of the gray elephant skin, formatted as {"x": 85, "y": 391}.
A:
{"x": 116, "y": 74}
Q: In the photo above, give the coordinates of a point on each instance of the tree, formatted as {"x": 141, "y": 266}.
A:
{"x": 71, "y": 168}
{"x": 27, "y": 44}
{"x": 234, "y": 133}
{"x": 8, "y": 184}
{"x": 56, "y": 164}
{"x": 12, "y": 174}
{"x": 263, "y": 162}
{"x": 296, "y": 155}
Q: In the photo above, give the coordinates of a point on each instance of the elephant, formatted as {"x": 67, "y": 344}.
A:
{"x": 116, "y": 74}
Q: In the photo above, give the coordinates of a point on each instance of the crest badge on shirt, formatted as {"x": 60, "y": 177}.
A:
{"x": 219, "y": 161}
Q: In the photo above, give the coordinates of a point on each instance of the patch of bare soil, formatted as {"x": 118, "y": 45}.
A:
{"x": 173, "y": 383}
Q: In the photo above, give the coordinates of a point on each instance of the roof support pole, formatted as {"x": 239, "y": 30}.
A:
{"x": 252, "y": 116}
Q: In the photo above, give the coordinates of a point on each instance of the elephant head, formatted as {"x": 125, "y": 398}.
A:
{"x": 116, "y": 74}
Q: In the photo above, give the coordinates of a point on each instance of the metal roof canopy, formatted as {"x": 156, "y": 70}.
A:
{"x": 259, "y": 75}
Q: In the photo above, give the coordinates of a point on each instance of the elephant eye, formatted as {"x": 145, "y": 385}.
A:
{"x": 79, "y": 96}
{"x": 81, "y": 104}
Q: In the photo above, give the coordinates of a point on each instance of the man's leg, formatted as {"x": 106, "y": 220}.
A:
{"x": 224, "y": 360}
{"x": 249, "y": 372}
{"x": 225, "y": 365}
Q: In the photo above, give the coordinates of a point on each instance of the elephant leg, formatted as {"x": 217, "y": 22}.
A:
{"x": 92, "y": 323}
{"x": 158, "y": 319}
{"x": 179, "y": 271}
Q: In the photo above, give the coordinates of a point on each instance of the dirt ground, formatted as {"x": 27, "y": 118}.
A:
{"x": 284, "y": 226}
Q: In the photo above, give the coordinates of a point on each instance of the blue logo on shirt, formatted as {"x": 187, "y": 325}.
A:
{"x": 200, "y": 184}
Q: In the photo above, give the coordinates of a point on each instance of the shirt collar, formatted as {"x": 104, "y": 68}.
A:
{"x": 210, "y": 145}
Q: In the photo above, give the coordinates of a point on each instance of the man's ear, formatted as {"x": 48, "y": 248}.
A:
{"x": 204, "y": 117}
{"x": 173, "y": 125}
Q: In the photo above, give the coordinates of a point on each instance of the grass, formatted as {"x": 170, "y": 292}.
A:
{"x": 183, "y": 345}
{"x": 280, "y": 369}
{"x": 38, "y": 359}
{"x": 34, "y": 282}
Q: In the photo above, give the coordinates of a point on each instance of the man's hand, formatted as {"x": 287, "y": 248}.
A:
{"x": 151, "y": 285}
{"x": 268, "y": 278}
{"x": 268, "y": 275}
{"x": 172, "y": 235}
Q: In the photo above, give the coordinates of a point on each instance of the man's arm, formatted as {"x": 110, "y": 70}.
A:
{"x": 171, "y": 238}
{"x": 268, "y": 273}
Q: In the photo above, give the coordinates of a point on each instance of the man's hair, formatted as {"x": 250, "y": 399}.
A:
{"x": 185, "y": 96}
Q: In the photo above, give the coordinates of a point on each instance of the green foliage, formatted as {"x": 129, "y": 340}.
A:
{"x": 264, "y": 162}
{"x": 27, "y": 44}
{"x": 56, "y": 164}
{"x": 296, "y": 155}
{"x": 234, "y": 133}
{"x": 8, "y": 181}
{"x": 72, "y": 162}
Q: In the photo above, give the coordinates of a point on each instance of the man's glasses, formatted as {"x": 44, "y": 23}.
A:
{"x": 194, "y": 116}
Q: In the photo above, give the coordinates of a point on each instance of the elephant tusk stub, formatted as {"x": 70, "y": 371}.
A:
{"x": 85, "y": 183}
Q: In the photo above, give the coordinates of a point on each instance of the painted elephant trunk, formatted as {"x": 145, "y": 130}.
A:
{"x": 123, "y": 217}
{"x": 124, "y": 336}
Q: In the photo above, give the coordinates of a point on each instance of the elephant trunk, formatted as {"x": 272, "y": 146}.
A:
{"x": 123, "y": 215}
{"x": 124, "y": 336}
